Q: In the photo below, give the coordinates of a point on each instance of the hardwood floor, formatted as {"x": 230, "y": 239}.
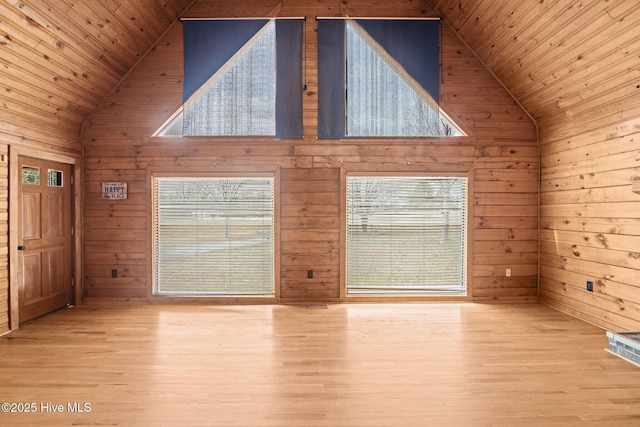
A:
{"x": 347, "y": 365}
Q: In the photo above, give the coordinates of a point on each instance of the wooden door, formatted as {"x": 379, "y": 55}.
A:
{"x": 45, "y": 241}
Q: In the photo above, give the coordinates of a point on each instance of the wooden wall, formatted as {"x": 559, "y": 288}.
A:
{"x": 574, "y": 66}
{"x": 590, "y": 145}
{"x": 590, "y": 220}
{"x": 58, "y": 60}
{"x": 501, "y": 156}
{"x": 32, "y": 116}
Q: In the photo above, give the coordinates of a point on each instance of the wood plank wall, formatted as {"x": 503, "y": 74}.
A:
{"x": 574, "y": 66}
{"x": 501, "y": 156}
{"x": 590, "y": 221}
{"x": 591, "y": 147}
{"x": 58, "y": 60}
{"x": 33, "y": 114}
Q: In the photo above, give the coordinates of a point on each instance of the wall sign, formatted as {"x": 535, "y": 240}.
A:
{"x": 114, "y": 190}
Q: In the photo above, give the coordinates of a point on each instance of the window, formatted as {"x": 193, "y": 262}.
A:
{"x": 382, "y": 100}
{"x": 380, "y": 78}
{"x": 240, "y": 98}
{"x": 214, "y": 235}
{"x": 54, "y": 178}
{"x": 241, "y": 78}
{"x": 406, "y": 235}
{"x": 30, "y": 175}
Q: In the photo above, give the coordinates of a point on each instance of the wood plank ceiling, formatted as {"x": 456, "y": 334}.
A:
{"x": 65, "y": 56}
{"x": 554, "y": 54}
{"x": 61, "y": 58}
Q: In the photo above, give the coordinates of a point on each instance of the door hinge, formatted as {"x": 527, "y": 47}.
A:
{"x": 71, "y": 178}
{"x": 72, "y": 230}
{"x": 73, "y": 283}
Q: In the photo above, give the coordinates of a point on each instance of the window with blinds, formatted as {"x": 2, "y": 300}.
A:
{"x": 214, "y": 235}
{"x": 406, "y": 235}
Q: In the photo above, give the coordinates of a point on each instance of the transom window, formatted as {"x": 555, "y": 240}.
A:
{"x": 214, "y": 235}
{"x": 406, "y": 235}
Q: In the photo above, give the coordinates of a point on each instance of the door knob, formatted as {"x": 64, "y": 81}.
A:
{"x": 21, "y": 248}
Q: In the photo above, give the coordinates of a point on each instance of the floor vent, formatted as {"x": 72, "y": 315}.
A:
{"x": 625, "y": 345}
{"x": 321, "y": 306}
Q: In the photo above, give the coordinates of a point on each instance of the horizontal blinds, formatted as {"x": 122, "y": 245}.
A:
{"x": 406, "y": 235}
{"x": 214, "y": 236}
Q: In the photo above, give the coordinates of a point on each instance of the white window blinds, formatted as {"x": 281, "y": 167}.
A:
{"x": 214, "y": 236}
{"x": 406, "y": 234}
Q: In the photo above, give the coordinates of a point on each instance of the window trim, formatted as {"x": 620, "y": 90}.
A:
{"x": 225, "y": 299}
{"x": 460, "y": 171}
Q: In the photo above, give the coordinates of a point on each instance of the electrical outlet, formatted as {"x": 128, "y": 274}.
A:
{"x": 309, "y": 274}
{"x": 114, "y": 273}
{"x": 589, "y": 286}
{"x": 507, "y": 272}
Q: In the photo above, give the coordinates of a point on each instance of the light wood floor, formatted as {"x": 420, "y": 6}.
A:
{"x": 346, "y": 365}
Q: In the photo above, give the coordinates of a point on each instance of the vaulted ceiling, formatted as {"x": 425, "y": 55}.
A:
{"x": 554, "y": 55}
{"x": 61, "y": 58}
{"x": 550, "y": 54}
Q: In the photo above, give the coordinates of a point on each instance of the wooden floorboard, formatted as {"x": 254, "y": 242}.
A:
{"x": 463, "y": 364}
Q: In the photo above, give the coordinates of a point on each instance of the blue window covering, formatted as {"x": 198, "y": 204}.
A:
{"x": 331, "y": 78}
{"x": 209, "y": 44}
{"x": 240, "y": 98}
{"x": 414, "y": 44}
{"x": 289, "y": 36}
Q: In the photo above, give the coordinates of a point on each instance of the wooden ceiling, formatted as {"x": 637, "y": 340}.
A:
{"x": 555, "y": 56}
{"x": 552, "y": 55}
{"x": 61, "y": 58}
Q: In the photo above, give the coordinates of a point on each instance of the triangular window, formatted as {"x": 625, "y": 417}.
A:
{"x": 380, "y": 78}
{"x": 382, "y": 98}
{"x": 239, "y": 99}
{"x": 173, "y": 126}
{"x": 254, "y": 91}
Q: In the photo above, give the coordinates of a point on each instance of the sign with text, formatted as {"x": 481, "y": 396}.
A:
{"x": 114, "y": 190}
